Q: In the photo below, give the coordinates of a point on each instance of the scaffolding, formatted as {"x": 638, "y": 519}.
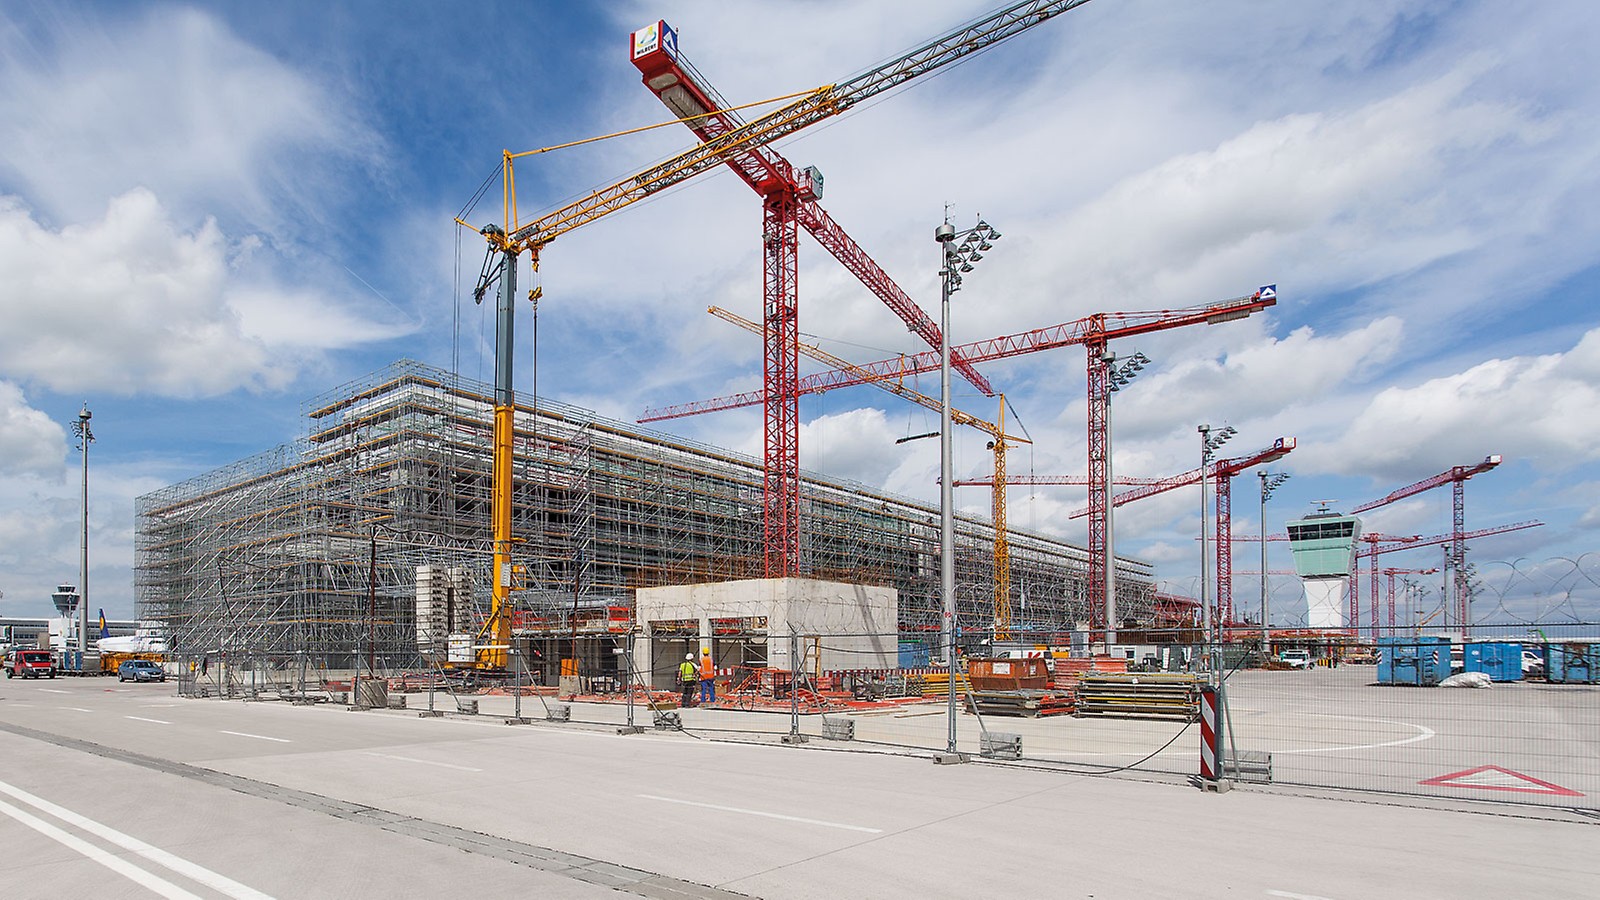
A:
{"x": 305, "y": 558}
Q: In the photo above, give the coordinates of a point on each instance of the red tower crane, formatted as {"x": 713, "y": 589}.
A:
{"x": 788, "y": 201}
{"x": 1381, "y": 544}
{"x": 1456, "y": 477}
{"x": 1092, "y": 332}
{"x": 1391, "y": 573}
{"x": 1222, "y": 472}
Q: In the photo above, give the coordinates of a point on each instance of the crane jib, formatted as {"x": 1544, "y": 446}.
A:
{"x": 820, "y": 104}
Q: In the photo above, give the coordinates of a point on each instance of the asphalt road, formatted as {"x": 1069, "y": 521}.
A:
{"x": 128, "y": 791}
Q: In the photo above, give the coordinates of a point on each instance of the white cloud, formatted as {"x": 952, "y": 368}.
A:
{"x": 1536, "y": 408}
{"x": 168, "y": 99}
{"x": 30, "y": 443}
{"x": 128, "y": 304}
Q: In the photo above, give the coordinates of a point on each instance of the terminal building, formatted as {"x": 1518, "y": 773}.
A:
{"x": 315, "y": 549}
{"x": 1324, "y": 545}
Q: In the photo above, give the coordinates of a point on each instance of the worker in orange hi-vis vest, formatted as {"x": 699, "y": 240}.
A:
{"x": 708, "y": 677}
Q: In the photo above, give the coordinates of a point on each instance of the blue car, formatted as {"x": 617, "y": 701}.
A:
{"x": 140, "y": 670}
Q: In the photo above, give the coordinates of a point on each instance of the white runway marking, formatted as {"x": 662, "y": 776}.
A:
{"x": 143, "y": 719}
{"x": 259, "y": 737}
{"x": 1288, "y": 896}
{"x": 768, "y": 815}
{"x": 54, "y": 691}
{"x": 76, "y": 709}
{"x": 426, "y": 762}
{"x": 161, "y": 886}
{"x": 1423, "y": 733}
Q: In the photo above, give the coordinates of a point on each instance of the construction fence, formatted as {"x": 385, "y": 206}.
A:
{"x": 1328, "y": 712}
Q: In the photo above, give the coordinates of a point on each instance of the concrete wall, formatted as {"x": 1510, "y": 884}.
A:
{"x": 842, "y": 626}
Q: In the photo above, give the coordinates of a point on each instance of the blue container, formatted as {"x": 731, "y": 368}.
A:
{"x": 914, "y": 655}
{"x": 1420, "y": 661}
{"x": 1499, "y": 660}
{"x": 1572, "y": 663}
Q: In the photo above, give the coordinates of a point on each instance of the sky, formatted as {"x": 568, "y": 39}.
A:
{"x": 211, "y": 213}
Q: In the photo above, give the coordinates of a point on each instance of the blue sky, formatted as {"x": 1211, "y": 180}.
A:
{"x": 211, "y": 213}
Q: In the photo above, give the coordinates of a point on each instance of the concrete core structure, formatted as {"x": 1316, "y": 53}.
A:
{"x": 749, "y": 622}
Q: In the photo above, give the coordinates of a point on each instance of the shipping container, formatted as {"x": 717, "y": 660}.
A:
{"x": 1501, "y": 661}
{"x": 1418, "y": 661}
{"x": 1571, "y": 663}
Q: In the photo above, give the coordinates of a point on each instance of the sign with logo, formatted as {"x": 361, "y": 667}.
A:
{"x": 655, "y": 36}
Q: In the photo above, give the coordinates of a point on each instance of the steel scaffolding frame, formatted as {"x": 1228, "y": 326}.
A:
{"x": 304, "y": 557}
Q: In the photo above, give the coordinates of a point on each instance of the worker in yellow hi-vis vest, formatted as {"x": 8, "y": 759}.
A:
{"x": 708, "y": 677}
{"x": 688, "y": 677}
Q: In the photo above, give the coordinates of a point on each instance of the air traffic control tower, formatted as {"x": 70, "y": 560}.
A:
{"x": 1324, "y": 545}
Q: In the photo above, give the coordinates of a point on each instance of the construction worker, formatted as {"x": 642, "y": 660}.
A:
{"x": 708, "y": 678}
{"x": 688, "y": 677}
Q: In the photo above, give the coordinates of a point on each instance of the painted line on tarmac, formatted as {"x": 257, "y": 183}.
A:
{"x": 768, "y": 815}
{"x": 259, "y": 737}
{"x": 178, "y": 864}
{"x": 1423, "y": 733}
{"x": 426, "y": 762}
{"x": 143, "y": 719}
{"x": 584, "y": 869}
{"x": 1292, "y": 896}
{"x": 76, "y": 709}
{"x": 54, "y": 691}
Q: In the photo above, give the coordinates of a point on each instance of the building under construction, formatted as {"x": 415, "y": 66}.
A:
{"x": 308, "y": 555}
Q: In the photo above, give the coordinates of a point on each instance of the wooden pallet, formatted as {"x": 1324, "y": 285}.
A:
{"x": 1029, "y": 703}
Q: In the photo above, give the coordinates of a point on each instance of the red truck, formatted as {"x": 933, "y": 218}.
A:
{"x": 31, "y": 664}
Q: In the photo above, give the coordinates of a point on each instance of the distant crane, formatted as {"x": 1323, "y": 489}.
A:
{"x": 781, "y": 482}
{"x": 1391, "y": 573}
{"x": 1456, "y": 477}
{"x": 1381, "y": 544}
{"x": 1222, "y": 471}
{"x": 997, "y": 444}
{"x": 1092, "y": 332}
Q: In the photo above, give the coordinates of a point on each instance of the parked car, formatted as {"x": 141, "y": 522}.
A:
{"x": 1296, "y": 659}
{"x": 140, "y": 670}
{"x": 31, "y": 664}
{"x": 1532, "y": 663}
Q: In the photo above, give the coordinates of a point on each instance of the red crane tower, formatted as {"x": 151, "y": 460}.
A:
{"x": 1456, "y": 477}
{"x": 1381, "y": 544}
{"x": 1092, "y": 332}
{"x": 1391, "y": 573}
{"x": 1222, "y": 471}
{"x": 789, "y": 198}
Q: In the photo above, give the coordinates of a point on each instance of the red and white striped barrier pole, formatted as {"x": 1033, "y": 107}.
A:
{"x": 1210, "y": 735}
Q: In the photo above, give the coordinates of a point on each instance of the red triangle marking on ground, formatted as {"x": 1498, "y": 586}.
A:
{"x": 1526, "y": 784}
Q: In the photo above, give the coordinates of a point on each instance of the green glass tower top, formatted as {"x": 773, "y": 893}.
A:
{"x": 1324, "y": 544}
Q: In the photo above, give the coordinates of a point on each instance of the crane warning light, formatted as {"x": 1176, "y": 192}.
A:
{"x": 657, "y": 36}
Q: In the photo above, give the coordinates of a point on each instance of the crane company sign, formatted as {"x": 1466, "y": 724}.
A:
{"x": 656, "y": 36}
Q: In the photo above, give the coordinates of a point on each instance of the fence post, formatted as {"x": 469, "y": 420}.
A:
{"x": 1211, "y": 741}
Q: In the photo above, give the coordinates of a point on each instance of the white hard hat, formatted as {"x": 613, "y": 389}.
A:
{"x": 689, "y": 656}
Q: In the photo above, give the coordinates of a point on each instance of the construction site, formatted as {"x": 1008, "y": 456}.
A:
{"x": 433, "y": 532}
{"x": 315, "y": 553}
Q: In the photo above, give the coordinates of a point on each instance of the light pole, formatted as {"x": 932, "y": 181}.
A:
{"x": 1208, "y": 445}
{"x": 1117, "y": 378}
{"x": 1269, "y": 483}
{"x": 85, "y": 438}
{"x": 955, "y": 259}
